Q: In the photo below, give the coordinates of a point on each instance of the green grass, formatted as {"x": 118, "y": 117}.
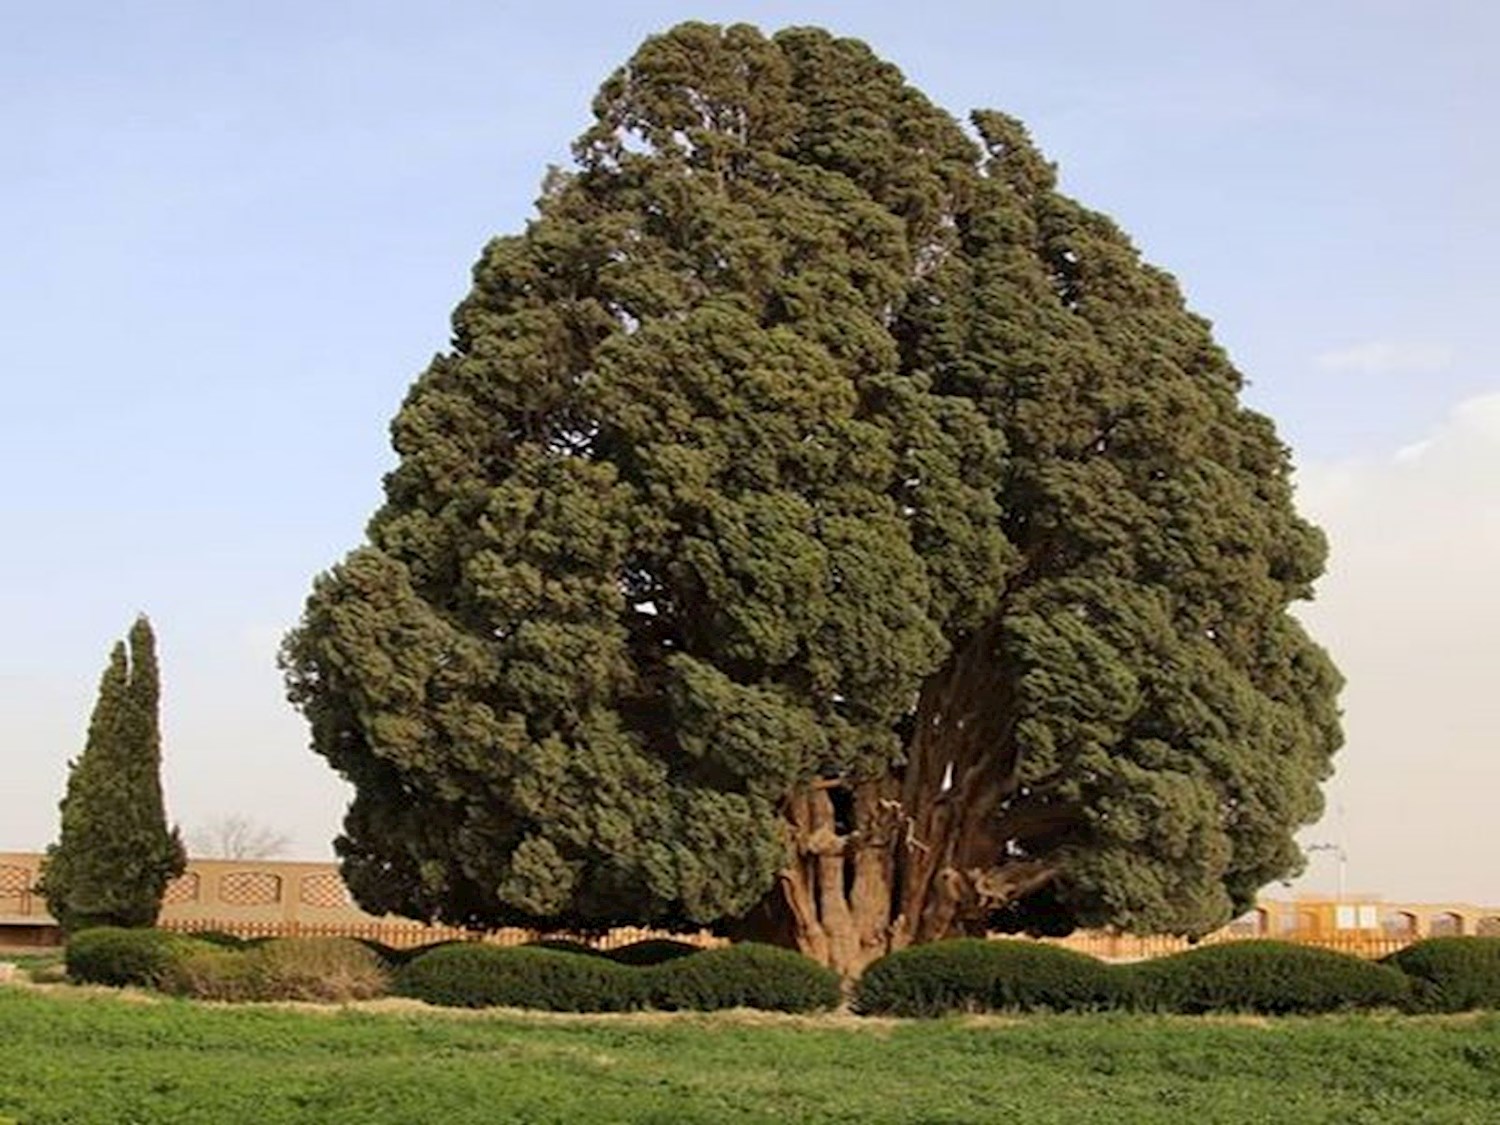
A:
{"x": 71, "y": 1055}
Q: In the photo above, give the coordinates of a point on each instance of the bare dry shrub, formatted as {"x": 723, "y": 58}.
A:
{"x": 335, "y": 970}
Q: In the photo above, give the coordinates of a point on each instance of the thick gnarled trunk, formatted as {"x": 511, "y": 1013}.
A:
{"x": 849, "y": 897}
{"x": 926, "y": 852}
{"x": 838, "y": 889}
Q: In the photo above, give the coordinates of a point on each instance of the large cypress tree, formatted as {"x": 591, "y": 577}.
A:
{"x": 820, "y": 527}
{"x": 115, "y": 854}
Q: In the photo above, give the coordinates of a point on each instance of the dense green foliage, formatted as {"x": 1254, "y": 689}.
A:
{"x": 562, "y": 980}
{"x": 471, "y": 975}
{"x": 552, "y": 976}
{"x": 566, "y": 945}
{"x": 316, "y": 969}
{"x": 973, "y": 975}
{"x": 653, "y": 951}
{"x": 220, "y": 938}
{"x": 748, "y": 975}
{"x": 115, "y": 854}
{"x": 97, "y": 1061}
{"x": 119, "y": 956}
{"x": 1452, "y": 974}
{"x": 1269, "y": 977}
{"x": 806, "y": 437}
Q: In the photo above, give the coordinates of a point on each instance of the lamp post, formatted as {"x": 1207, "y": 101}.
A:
{"x": 1343, "y": 858}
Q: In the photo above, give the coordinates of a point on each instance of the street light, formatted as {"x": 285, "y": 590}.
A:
{"x": 1343, "y": 858}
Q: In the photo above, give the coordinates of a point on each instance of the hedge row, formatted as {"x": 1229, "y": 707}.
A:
{"x": 1451, "y": 974}
{"x": 972, "y": 974}
{"x": 547, "y": 975}
{"x": 738, "y": 976}
{"x": 1265, "y": 977}
{"x": 223, "y": 968}
{"x": 111, "y": 955}
{"x": 1437, "y": 975}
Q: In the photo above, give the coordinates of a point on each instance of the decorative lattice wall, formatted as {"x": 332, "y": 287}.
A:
{"x": 15, "y": 881}
{"x": 184, "y": 888}
{"x": 249, "y": 888}
{"x": 323, "y": 890}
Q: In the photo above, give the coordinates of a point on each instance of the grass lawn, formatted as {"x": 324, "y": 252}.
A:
{"x": 77, "y": 1055}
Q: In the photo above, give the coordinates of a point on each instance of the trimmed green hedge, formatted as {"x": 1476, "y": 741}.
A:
{"x": 1451, "y": 974}
{"x": 219, "y": 938}
{"x": 653, "y": 951}
{"x": 976, "y": 975}
{"x": 116, "y": 956}
{"x": 1267, "y": 977}
{"x": 741, "y": 976}
{"x": 470, "y": 975}
{"x": 565, "y": 945}
{"x": 748, "y": 975}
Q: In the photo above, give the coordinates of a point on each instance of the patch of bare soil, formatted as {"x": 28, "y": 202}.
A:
{"x": 734, "y": 1017}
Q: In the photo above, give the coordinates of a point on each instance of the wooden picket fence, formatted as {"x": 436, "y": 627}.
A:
{"x": 404, "y": 935}
{"x": 1126, "y": 947}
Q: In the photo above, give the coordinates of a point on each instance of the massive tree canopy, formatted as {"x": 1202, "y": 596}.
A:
{"x": 820, "y": 527}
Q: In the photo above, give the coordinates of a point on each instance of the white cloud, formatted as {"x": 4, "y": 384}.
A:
{"x": 1410, "y": 609}
{"x": 1387, "y": 357}
{"x": 1480, "y": 416}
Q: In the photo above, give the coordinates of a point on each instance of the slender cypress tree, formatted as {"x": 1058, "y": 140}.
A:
{"x": 821, "y": 527}
{"x": 115, "y": 854}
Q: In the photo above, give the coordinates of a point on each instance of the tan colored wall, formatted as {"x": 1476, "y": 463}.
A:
{"x": 279, "y": 896}
{"x": 18, "y": 873}
{"x": 259, "y": 897}
{"x": 253, "y": 890}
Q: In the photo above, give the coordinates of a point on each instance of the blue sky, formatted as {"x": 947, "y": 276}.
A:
{"x": 234, "y": 232}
